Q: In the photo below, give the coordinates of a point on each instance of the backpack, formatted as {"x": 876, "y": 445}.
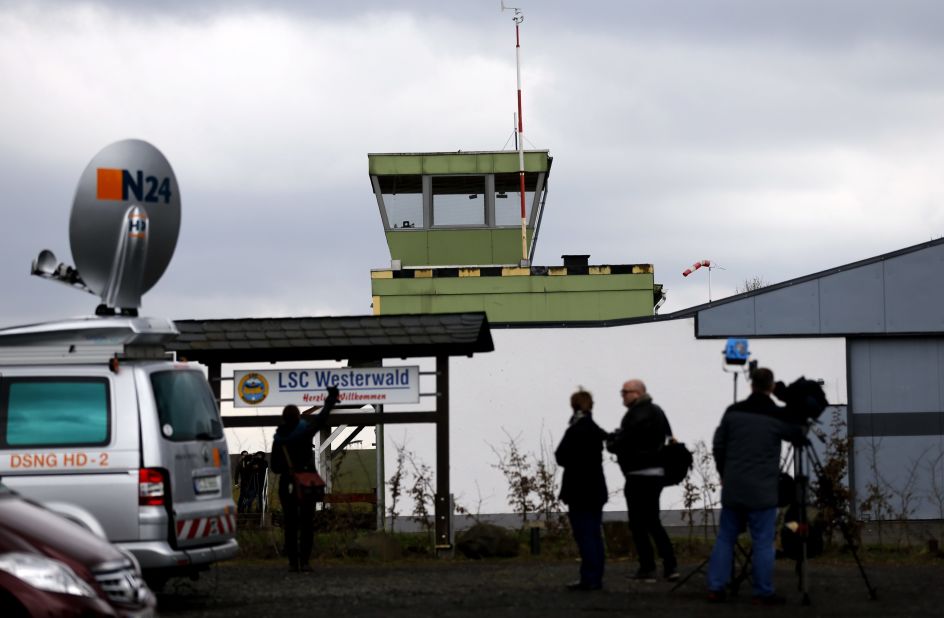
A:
{"x": 676, "y": 461}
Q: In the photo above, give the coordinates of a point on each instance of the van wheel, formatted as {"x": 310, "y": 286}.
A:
{"x": 155, "y": 582}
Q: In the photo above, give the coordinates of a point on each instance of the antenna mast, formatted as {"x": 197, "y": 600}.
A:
{"x": 519, "y": 132}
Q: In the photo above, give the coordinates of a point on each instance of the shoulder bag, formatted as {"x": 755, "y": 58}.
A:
{"x": 308, "y": 484}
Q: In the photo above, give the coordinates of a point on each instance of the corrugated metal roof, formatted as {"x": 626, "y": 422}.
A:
{"x": 694, "y": 311}
{"x": 329, "y": 338}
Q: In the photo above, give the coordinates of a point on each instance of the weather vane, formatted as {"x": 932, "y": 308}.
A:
{"x": 519, "y": 16}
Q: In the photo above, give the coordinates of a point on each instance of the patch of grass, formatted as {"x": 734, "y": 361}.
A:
{"x": 259, "y": 543}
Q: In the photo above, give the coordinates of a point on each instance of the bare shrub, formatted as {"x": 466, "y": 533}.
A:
{"x": 518, "y": 471}
{"x": 422, "y": 492}
{"x": 751, "y": 283}
{"x": 876, "y": 503}
{"x": 395, "y": 484}
{"x": 533, "y": 487}
{"x": 700, "y": 493}
{"x": 832, "y": 496}
{"x": 935, "y": 468}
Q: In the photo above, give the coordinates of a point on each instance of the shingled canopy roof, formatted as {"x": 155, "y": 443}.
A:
{"x": 333, "y": 338}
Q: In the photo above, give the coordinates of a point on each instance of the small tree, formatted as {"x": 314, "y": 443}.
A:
{"x": 691, "y": 498}
{"x": 461, "y": 509}
{"x": 876, "y": 503}
{"x": 831, "y": 494}
{"x": 707, "y": 482}
{"x": 906, "y": 497}
{"x": 546, "y": 487}
{"x": 516, "y": 468}
{"x": 422, "y": 492}
{"x": 395, "y": 483}
{"x": 751, "y": 283}
{"x": 935, "y": 468}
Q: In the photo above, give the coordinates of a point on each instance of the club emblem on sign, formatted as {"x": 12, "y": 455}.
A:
{"x": 253, "y": 388}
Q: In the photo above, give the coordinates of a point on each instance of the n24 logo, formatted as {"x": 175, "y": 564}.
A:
{"x": 123, "y": 185}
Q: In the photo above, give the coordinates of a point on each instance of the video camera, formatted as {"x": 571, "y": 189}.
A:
{"x": 804, "y": 399}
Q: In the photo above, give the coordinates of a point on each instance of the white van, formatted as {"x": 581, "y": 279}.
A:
{"x": 94, "y": 414}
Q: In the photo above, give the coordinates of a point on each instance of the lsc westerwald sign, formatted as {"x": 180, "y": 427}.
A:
{"x": 306, "y": 387}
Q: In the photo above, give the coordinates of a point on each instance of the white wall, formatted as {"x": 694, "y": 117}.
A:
{"x": 524, "y": 386}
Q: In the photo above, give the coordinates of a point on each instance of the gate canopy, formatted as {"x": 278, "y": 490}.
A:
{"x": 361, "y": 339}
{"x": 358, "y": 338}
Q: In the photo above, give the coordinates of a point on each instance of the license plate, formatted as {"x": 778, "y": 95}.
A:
{"x": 206, "y": 484}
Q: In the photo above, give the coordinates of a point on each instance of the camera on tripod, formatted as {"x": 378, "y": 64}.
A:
{"x": 804, "y": 400}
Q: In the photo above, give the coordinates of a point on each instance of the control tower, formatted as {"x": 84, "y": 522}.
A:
{"x": 453, "y": 226}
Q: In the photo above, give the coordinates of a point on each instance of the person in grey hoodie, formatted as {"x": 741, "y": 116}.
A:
{"x": 746, "y": 449}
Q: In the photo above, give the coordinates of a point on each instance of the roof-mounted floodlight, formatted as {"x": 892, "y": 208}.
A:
{"x": 123, "y": 228}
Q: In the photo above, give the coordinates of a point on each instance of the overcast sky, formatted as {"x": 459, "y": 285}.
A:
{"x": 775, "y": 139}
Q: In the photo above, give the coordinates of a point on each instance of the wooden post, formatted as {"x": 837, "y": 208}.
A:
{"x": 214, "y": 375}
{"x": 443, "y": 504}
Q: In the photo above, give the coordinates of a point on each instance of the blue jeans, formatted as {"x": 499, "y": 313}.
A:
{"x": 586, "y": 528}
{"x": 762, "y": 527}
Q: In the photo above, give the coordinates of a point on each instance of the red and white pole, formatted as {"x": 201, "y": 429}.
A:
{"x": 518, "y": 18}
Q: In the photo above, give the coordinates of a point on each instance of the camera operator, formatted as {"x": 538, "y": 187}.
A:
{"x": 746, "y": 448}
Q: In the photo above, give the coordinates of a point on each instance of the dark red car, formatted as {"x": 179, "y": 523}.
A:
{"x": 50, "y": 566}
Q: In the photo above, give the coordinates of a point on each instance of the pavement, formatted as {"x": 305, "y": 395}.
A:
{"x": 525, "y": 587}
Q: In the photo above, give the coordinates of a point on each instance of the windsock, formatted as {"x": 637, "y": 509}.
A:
{"x": 695, "y": 267}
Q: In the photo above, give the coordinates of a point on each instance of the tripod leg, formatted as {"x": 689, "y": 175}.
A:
{"x": 802, "y": 485}
{"x": 744, "y": 574}
{"x": 844, "y": 528}
{"x": 847, "y": 535}
{"x": 699, "y": 569}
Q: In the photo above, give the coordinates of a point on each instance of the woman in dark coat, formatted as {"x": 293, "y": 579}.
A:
{"x": 292, "y": 452}
{"x": 583, "y": 488}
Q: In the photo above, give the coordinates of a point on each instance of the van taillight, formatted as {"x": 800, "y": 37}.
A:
{"x": 151, "y": 487}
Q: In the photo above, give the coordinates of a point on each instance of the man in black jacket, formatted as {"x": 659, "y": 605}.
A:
{"x": 747, "y": 453}
{"x": 638, "y": 444}
{"x": 292, "y": 452}
{"x": 583, "y": 488}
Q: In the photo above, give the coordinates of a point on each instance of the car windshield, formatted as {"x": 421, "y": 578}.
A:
{"x": 185, "y": 406}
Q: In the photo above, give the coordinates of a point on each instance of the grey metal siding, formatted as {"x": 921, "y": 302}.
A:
{"x": 729, "y": 319}
{"x": 897, "y": 421}
{"x": 899, "y": 294}
{"x": 853, "y": 301}
{"x": 898, "y": 376}
{"x": 789, "y": 310}
{"x": 914, "y": 291}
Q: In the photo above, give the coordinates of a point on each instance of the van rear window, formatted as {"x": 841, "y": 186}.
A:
{"x": 185, "y": 406}
{"x": 55, "y": 411}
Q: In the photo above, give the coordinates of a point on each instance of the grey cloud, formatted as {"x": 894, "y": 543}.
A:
{"x": 773, "y": 140}
{"x": 838, "y": 23}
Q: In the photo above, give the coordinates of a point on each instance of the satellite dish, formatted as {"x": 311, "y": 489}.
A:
{"x": 45, "y": 264}
{"x": 125, "y": 222}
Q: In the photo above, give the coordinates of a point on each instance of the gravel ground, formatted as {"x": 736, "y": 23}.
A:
{"x": 523, "y": 587}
